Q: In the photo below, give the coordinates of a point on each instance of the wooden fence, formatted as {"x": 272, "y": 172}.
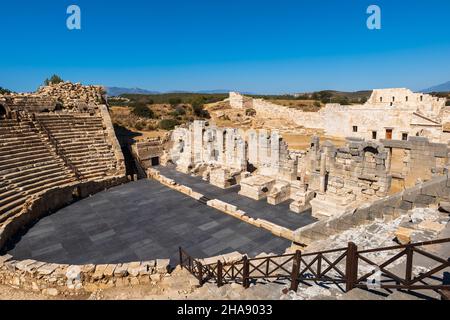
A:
{"x": 348, "y": 268}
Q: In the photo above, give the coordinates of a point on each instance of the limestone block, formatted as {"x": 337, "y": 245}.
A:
{"x": 5, "y": 258}
{"x": 109, "y": 270}
{"x": 424, "y": 200}
{"x": 133, "y": 268}
{"x": 433, "y": 226}
{"x": 405, "y": 205}
{"x": 443, "y": 206}
{"x": 121, "y": 270}
{"x": 162, "y": 265}
{"x": 99, "y": 271}
{"x": 21, "y": 265}
{"x": 436, "y": 187}
{"x": 31, "y": 268}
{"x": 411, "y": 193}
{"x": 47, "y": 269}
{"x": 403, "y": 235}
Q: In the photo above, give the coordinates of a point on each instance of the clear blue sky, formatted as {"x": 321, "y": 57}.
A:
{"x": 247, "y": 45}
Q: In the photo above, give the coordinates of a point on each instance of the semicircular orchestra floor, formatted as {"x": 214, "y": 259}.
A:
{"x": 140, "y": 220}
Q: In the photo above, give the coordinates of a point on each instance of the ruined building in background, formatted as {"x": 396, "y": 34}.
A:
{"x": 329, "y": 179}
{"x": 388, "y": 114}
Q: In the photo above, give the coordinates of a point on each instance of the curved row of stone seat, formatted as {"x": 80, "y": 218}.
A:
{"x": 81, "y": 138}
{"x": 28, "y": 166}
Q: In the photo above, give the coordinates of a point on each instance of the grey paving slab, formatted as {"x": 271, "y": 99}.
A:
{"x": 279, "y": 214}
{"x": 141, "y": 220}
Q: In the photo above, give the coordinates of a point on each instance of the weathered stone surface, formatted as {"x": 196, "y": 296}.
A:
{"x": 5, "y": 258}
{"x": 431, "y": 226}
{"x": 162, "y": 265}
{"x": 444, "y": 206}
{"x": 403, "y": 235}
{"x": 47, "y": 269}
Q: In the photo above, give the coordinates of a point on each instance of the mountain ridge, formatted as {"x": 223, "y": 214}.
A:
{"x": 443, "y": 87}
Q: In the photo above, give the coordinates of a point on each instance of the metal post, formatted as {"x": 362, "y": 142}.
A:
{"x": 351, "y": 269}
{"x": 295, "y": 270}
{"x": 219, "y": 274}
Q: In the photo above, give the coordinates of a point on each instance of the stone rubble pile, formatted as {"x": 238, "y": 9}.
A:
{"x": 72, "y": 94}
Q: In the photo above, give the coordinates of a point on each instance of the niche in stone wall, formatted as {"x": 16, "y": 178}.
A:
{"x": 2, "y": 112}
{"x": 369, "y": 160}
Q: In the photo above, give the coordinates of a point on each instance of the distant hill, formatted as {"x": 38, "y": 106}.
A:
{"x": 217, "y": 91}
{"x": 445, "y": 87}
{"x": 117, "y": 91}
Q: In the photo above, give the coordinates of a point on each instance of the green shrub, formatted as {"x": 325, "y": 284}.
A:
{"x": 317, "y": 104}
{"x": 54, "y": 79}
{"x": 4, "y": 90}
{"x": 139, "y": 126}
{"x": 141, "y": 110}
{"x": 447, "y": 103}
{"x": 197, "y": 106}
{"x": 174, "y": 101}
{"x": 168, "y": 124}
{"x": 179, "y": 111}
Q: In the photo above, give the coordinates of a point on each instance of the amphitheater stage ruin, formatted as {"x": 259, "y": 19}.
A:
{"x": 279, "y": 215}
{"x": 139, "y": 221}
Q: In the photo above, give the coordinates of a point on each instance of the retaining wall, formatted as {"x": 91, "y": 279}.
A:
{"x": 53, "y": 278}
{"x": 421, "y": 195}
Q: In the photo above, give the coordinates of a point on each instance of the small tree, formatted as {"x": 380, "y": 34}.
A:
{"x": 54, "y": 79}
{"x": 138, "y": 126}
{"x": 197, "y": 106}
{"x": 174, "y": 101}
{"x": 168, "y": 124}
{"x": 4, "y": 90}
{"x": 141, "y": 110}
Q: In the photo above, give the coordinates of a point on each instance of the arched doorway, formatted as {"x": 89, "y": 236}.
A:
{"x": 2, "y": 112}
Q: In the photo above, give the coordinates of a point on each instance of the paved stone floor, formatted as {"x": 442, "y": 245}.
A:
{"x": 279, "y": 214}
{"x": 141, "y": 220}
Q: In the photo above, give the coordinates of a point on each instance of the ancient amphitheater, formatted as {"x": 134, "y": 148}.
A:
{"x": 225, "y": 205}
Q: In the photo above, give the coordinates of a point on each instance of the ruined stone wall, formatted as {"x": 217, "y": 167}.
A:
{"x": 348, "y": 176}
{"x": 406, "y": 99}
{"x": 146, "y": 150}
{"x": 358, "y": 169}
{"x": 422, "y": 159}
{"x": 233, "y": 149}
{"x": 112, "y": 140}
{"x": 421, "y": 115}
{"x": 422, "y": 195}
{"x": 238, "y": 101}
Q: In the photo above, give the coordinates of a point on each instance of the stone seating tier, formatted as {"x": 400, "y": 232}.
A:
{"x": 82, "y": 140}
{"x": 28, "y": 165}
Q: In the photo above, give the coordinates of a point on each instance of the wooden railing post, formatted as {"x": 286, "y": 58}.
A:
{"x": 409, "y": 264}
{"x": 351, "y": 268}
{"x": 295, "y": 270}
{"x": 219, "y": 273}
{"x": 181, "y": 257}
{"x": 200, "y": 273}
{"x": 245, "y": 272}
